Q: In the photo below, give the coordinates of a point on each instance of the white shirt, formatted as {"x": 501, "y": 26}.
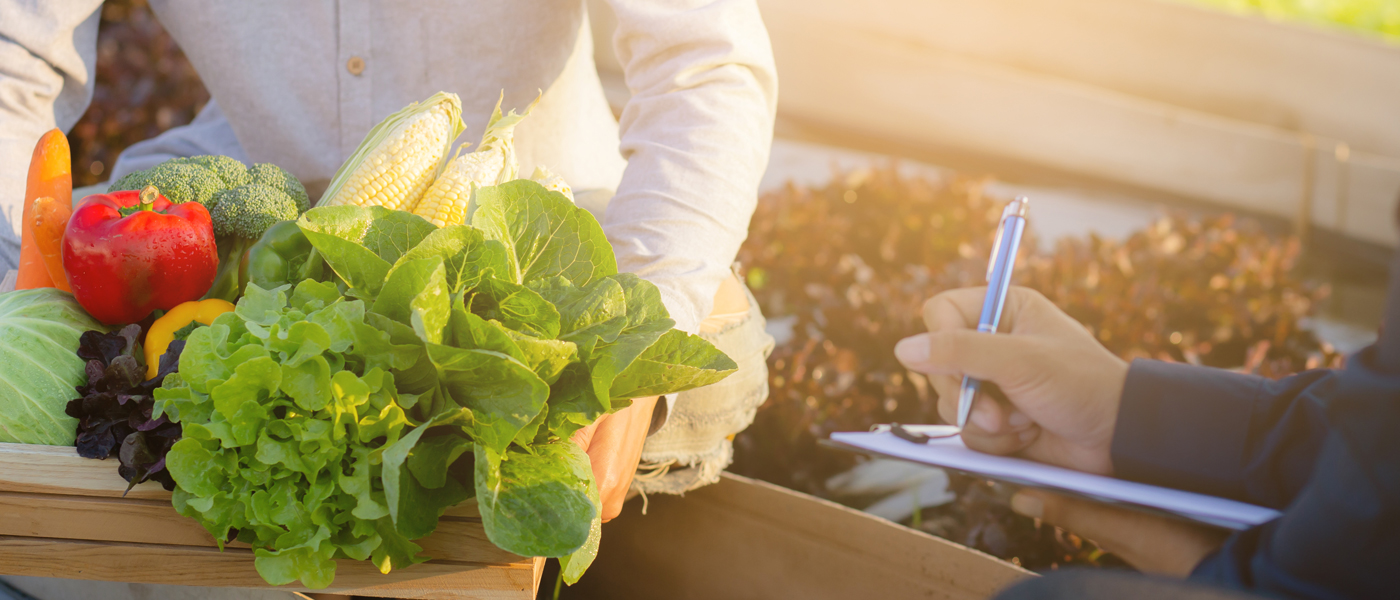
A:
{"x": 685, "y": 160}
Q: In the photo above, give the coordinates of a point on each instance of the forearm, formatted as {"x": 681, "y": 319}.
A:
{"x": 696, "y": 134}
{"x": 1221, "y": 433}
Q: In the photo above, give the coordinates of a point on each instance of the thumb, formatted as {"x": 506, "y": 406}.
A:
{"x": 1150, "y": 543}
{"x": 966, "y": 352}
{"x": 584, "y": 437}
{"x": 1068, "y": 513}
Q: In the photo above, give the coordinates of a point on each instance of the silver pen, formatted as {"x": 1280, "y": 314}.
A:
{"x": 999, "y": 271}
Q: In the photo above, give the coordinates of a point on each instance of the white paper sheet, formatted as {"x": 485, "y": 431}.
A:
{"x": 951, "y": 453}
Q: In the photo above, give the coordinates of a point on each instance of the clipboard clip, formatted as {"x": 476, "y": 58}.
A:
{"x": 918, "y": 434}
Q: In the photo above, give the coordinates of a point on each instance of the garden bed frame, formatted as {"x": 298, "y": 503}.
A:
{"x": 66, "y": 516}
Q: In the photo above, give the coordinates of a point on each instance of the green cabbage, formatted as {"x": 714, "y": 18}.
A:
{"x": 39, "y": 368}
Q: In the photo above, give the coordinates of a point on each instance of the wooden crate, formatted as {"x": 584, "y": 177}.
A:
{"x": 744, "y": 539}
{"x": 62, "y": 515}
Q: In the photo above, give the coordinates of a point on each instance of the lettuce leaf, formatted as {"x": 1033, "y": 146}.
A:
{"x": 545, "y": 234}
{"x": 296, "y": 437}
{"x": 324, "y": 421}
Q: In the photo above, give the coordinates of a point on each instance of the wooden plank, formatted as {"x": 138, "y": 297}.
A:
{"x": 465, "y": 510}
{"x": 742, "y": 538}
{"x": 185, "y": 565}
{"x": 1250, "y": 69}
{"x": 156, "y": 522}
{"x": 58, "y": 506}
{"x": 874, "y": 85}
{"x": 59, "y": 470}
{"x": 113, "y": 520}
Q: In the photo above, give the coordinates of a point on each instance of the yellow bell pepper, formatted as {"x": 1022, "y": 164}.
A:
{"x": 162, "y": 331}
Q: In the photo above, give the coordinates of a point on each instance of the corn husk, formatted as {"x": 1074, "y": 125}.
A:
{"x": 411, "y": 147}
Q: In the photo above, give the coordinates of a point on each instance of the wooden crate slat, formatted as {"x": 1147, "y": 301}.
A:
{"x": 59, "y": 470}
{"x": 465, "y": 510}
{"x": 65, "y": 516}
{"x": 742, "y": 538}
{"x": 187, "y": 565}
{"x": 156, "y": 522}
{"x": 102, "y": 519}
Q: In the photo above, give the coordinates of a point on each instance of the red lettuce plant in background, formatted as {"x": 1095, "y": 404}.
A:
{"x": 848, "y": 266}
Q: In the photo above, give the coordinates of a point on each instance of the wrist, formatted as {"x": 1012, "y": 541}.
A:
{"x": 1115, "y": 380}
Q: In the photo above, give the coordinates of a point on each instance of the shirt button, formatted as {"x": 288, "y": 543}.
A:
{"x": 355, "y": 65}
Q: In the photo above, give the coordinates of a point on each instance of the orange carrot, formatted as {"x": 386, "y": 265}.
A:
{"x": 50, "y": 217}
{"x": 51, "y": 175}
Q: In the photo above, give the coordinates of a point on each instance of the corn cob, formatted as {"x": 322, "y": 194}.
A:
{"x": 449, "y": 201}
{"x": 552, "y": 182}
{"x": 400, "y": 157}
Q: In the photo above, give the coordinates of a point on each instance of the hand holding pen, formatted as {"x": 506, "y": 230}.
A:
{"x": 1000, "y": 268}
{"x": 1062, "y": 387}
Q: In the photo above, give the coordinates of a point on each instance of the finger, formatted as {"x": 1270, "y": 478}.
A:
{"x": 986, "y": 412}
{"x": 946, "y": 386}
{"x": 1018, "y": 421}
{"x": 954, "y": 309}
{"x": 584, "y": 437}
{"x": 998, "y": 358}
{"x": 1002, "y": 444}
{"x": 1149, "y": 542}
{"x": 1111, "y": 527}
{"x": 962, "y": 308}
{"x": 615, "y": 451}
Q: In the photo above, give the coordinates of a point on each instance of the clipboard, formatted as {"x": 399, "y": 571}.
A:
{"x": 950, "y": 453}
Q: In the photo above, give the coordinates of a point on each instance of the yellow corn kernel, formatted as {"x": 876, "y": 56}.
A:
{"x": 400, "y": 157}
{"x": 449, "y": 200}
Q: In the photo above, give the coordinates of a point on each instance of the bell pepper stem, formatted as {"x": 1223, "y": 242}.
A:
{"x": 147, "y": 201}
{"x": 148, "y": 198}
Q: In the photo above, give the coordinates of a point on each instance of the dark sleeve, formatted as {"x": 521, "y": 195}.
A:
{"x": 1340, "y": 537}
{"x": 1221, "y": 433}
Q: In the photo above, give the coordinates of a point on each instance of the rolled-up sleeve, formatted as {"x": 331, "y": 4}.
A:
{"x": 47, "y": 54}
{"x": 1219, "y": 432}
{"x": 696, "y": 134}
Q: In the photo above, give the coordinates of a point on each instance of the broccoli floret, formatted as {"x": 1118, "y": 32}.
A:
{"x": 229, "y": 170}
{"x": 178, "y": 182}
{"x": 243, "y": 202}
{"x": 135, "y": 180}
{"x": 276, "y": 177}
{"x": 247, "y": 211}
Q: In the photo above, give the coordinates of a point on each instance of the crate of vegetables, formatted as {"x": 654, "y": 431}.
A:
{"x": 346, "y": 397}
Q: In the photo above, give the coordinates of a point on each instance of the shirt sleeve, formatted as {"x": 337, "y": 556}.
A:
{"x": 1340, "y": 535}
{"x": 1219, "y": 432}
{"x": 48, "y": 51}
{"x": 696, "y": 134}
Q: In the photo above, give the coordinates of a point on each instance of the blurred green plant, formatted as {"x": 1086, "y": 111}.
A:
{"x": 1370, "y": 17}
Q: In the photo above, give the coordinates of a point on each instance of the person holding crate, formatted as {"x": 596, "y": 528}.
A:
{"x": 299, "y": 85}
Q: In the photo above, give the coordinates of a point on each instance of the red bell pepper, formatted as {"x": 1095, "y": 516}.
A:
{"x": 129, "y": 253}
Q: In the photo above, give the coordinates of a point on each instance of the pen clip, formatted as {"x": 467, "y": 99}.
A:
{"x": 1015, "y": 208}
